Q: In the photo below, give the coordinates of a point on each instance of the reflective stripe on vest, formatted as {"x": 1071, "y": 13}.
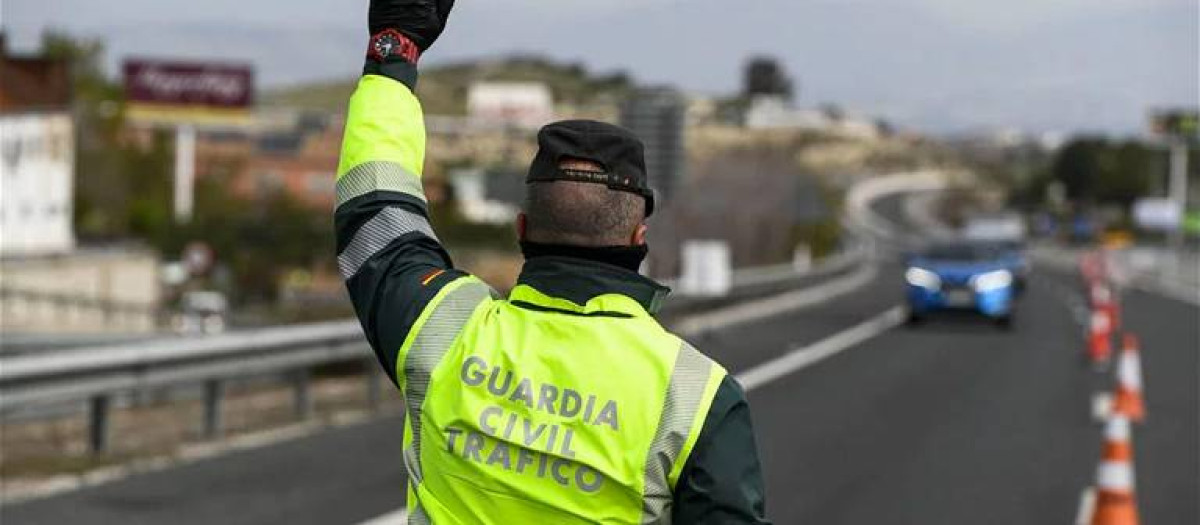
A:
{"x": 435, "y": 335}
{"x": 685, "y": 395}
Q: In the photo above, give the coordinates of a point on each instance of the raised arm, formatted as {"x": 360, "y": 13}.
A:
{"x": 387, "y": 251}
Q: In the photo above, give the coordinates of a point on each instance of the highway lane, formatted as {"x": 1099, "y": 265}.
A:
{"x": 950, "y": 422}
{"x": 344, "y": 475}
{"x": 1167, "y": 446}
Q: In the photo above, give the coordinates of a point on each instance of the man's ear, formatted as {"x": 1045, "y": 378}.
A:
{"x": 521, "y": 223}
{"x": 639, "y": 235}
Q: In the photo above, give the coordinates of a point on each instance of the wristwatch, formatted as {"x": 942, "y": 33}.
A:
{"x": 393, "y": 55}
{"x": 390, "y": 44}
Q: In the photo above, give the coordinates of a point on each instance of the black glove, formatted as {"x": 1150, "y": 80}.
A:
{"x": 400, "y": 31}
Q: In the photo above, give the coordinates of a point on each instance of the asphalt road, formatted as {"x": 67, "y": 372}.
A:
{"x": 951, "y": 422}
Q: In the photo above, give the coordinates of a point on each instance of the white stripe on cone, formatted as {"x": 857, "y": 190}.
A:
{"x": 1129, "y": 372}
{"x": 1115, "y": 476}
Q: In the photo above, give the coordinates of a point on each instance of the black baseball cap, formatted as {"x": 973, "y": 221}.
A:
{"x": 617, "y": 150}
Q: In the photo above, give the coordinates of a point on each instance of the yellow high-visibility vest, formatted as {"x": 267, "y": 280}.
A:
{"x": 519, "y": 414}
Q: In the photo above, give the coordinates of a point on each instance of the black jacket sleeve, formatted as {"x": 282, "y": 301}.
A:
{"x": 721, "y": 483}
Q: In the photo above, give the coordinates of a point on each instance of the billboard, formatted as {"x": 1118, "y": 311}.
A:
{"x": 172, "y": 92}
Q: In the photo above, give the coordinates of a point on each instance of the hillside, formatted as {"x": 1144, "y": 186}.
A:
{"x": 443, "y": 88}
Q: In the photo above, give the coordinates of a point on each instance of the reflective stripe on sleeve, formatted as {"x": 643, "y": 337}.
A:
{"x": 378, "y": 176}
{"x": 386, "y": 226}
{"x": 690, "y": 381}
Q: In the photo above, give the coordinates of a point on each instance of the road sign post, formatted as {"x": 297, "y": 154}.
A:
{"x": 214, "y": 391}
{"x": 1178, "y": 187}
{"x": 98, "y": 423}
{"x": 185, "y": 172}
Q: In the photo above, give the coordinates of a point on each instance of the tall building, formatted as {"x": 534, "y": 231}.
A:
{"x": 657, "y": 116}
{"x": 37, "y": 156}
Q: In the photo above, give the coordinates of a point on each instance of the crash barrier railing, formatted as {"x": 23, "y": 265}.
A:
{"x": 100, "y": 374}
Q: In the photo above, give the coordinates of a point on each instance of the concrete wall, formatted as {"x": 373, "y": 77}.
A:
{"x": 83, "y": 292}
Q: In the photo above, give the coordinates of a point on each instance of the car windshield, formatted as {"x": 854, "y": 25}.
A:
{"x": 960, "y": 252}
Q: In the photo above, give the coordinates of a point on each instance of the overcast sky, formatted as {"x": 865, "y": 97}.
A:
{"x": 939, "y": 65}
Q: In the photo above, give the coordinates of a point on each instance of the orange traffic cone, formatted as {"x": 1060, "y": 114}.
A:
{"x": 1100, "y": 337}
{"x": 1104, "y": 299}
{"x": 1115, "y": 500}
{"x": 1128, "y": 401}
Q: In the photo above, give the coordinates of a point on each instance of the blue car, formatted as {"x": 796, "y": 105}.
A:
{"x": 967, "y": 277}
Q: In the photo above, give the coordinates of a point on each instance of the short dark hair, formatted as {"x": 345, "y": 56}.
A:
{"x": 581, "y": 214}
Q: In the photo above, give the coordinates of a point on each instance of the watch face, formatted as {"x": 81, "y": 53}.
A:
{"x": 391, "y": 43}
{"x": 384, "y": 45}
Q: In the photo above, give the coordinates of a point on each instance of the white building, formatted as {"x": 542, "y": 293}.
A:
{"x": 37, "y": 169}
{"x": 770, "y": 112}
{"x": 523, "y": 104}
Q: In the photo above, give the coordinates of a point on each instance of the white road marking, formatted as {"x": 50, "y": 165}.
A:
{"x": 806, "y": 356}
{"x": 1087, "y": 507}
{"x": 1102, "y": 404}
{"x": 396, "y": 517}
{"x": 776, "y": 304}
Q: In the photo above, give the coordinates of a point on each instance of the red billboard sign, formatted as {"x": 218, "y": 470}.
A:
{"x": 175, "y": 92}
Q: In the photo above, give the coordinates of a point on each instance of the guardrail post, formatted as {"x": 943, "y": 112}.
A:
{"x": 214, "y": 392}
{"x": 374, "y": 378}
{"x": 98, "y": 428}
{"x": 302, "y": 397}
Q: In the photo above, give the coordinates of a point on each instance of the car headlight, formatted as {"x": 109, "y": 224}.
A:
{"x": 923, "y": 278}
{"x": 989, "y": 281}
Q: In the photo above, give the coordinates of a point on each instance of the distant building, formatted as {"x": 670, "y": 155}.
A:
{"x": 37, "y": 156}
{"x": 520, "y": 104}
{"x": 770, "y": 112}
{"x": 298, "y": 158}
{"x": 657, "y": 116}
{"x": 775, "y": 112}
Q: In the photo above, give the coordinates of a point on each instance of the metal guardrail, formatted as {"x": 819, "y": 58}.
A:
{"x": 82, "y": 372}
{"x": 99, "y": 373}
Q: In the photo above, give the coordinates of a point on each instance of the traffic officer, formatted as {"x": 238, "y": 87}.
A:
{"x": 566, "y": 402}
